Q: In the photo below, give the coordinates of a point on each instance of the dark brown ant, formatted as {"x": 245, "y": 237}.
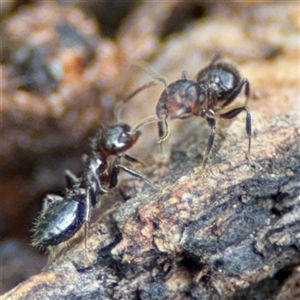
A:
{"x": 216, "y": 86}
{"x": 62, "y": 217}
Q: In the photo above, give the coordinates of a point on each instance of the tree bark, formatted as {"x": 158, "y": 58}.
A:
{"x": 209, "y": 234}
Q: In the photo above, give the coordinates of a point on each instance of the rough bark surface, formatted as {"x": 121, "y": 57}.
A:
{"x": 231, "y": 231}
{"x": 203, "y": 235}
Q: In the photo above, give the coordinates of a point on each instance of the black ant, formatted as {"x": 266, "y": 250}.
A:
{"x": 216, "y": 86}
{"x": 62, "y": 217}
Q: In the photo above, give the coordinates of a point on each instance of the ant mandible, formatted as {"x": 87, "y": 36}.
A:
{"x": 63, "y": 216}
{"x": 216, "y": 86}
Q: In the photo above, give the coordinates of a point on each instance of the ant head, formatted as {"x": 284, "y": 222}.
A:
{"x": 181, "y": 99}
{"x": 116, "y": 139}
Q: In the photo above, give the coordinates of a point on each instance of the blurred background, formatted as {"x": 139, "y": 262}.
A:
{"x": 65, "y": 64}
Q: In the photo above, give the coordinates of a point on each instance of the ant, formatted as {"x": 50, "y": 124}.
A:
{"x": 63, "y": 216}
{"x": 216, "y": 86}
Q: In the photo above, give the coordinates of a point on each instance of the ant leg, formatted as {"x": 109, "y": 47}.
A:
{"x": 90, "y": 195}
{"x": 152, "y": 72}
{"x": 212, "y": 124}
{"x": 237, "y": 90}
{"x": 138, "y": 90}
{"x": 163, "y": 133}
{"x": 93, "y": 198}
{"x": 114, "y": 172}
{"x": 119, "y": 105}
{"x": 233, "y": 113}
{"x": 203, "y": 76}
{"x": 247, "y": 91}
{"x": 49, "y": 199}
{"x": 215, "y": 58}
{"x": 116, "y": 169}
{"x": 71, "y": 179}
{"x": 185, "y": 75}
{"x": 99, "y": 188}
{"x": 102, "y": 190}
{"x": 148, "y": 120}
{"x": 132, "y": 159}
{"x": 135, "y": 174}
{"x": 163, "y": 130}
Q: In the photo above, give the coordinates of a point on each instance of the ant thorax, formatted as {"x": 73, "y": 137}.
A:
{"x": 95, "y": 166}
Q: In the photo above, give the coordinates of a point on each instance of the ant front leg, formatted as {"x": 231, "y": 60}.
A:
{"x": 163, "y": 133}
{"x": 212, "y": 124}
{"x": 232, "y": 114}
{"x": 116, "y": 169}
{"x": 132, "y": 159}
{"x": 163, "y": 130}
{"x": 237, "y": 90}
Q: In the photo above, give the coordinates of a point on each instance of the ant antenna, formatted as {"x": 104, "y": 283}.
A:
{"x": 119, "y": 105}
{"x": 148, "y": 120}
{"x": 152, "y": 72}
{"x": 141, "y": 88}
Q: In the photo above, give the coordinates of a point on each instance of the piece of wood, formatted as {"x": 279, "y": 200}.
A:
{"x": 203, "y": 234}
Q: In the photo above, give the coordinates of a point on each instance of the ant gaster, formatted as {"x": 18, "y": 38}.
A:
{"x": 62, "y": 217}
{"x": 216, "y": 86}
